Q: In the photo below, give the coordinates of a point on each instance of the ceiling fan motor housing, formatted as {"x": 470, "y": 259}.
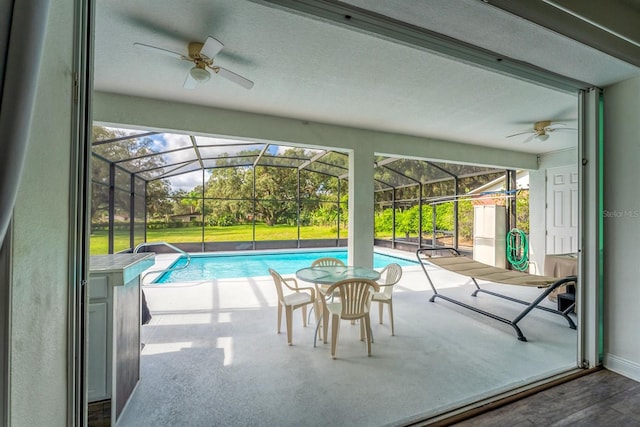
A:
{"x": 541, "y": 126}
{"x": 194, "y": 51}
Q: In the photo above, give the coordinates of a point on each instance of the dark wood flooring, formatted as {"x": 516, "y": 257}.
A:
{"x": 602, "y": 398}
{"x": 99, "y": 414}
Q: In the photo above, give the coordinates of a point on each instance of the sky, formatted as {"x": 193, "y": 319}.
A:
{"x": 209, "y": 147}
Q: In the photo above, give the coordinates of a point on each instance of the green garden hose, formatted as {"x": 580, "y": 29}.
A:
{"x": 518, "y": 249}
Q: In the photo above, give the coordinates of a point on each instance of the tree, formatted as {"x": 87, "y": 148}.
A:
{"x": 522, "y": 210}
{"x": 228, "y": 195}
{"x": 193, "y": 200}
{"x": 187, "y": 202}
{"x": 158, "y": 202}
{"x": 229, "y": 191}
{"x": 276, "y": 194}
{"x": 139, "y": 151}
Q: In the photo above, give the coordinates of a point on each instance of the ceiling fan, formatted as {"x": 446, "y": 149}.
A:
{"x": 541, "y": 130}
{"x": 201, "y": 55}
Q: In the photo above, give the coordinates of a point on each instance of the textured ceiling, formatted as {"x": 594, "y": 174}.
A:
{"x": 314, "y": 70}
{"x": 483, "y": 25}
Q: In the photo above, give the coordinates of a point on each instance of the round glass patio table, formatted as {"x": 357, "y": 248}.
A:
{"x": 328, "y": 275}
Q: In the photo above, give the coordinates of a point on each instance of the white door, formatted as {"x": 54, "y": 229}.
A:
{"x": 562, "y": 210}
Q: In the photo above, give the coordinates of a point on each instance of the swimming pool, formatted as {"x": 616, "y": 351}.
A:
{"x": 231, "y": 266}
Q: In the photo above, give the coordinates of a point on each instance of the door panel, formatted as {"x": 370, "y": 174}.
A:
{"x": 562, "y": 210}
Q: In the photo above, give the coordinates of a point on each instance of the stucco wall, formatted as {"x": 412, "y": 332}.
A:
{"x": 622, "y": 228}
{"x": 145, "y": 113}
{"x": 39, "y": 312}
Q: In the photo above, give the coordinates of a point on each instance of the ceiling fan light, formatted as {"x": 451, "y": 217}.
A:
{"x": 200, "y": 74}
{"x": 542, "y": 137}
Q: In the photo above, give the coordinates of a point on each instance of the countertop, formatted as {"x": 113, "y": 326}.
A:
{"x": 130, "y": 265}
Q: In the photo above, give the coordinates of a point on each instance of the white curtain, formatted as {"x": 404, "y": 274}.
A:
{"x": 22, "y": 33}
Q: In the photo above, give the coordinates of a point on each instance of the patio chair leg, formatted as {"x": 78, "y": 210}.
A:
{"x": 289, "y": 324}
{"x": 304, "y": 316}
{"x": 367, "y": 322}
{"x": 279, "y": 316}
{"x": 325, "y": 325}
{"x": 335, "y": 328}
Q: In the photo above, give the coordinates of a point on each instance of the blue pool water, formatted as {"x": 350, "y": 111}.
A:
{"x": 208, "y": 267}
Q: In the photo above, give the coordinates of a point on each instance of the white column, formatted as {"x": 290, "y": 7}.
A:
{"x": 361, "y": 207}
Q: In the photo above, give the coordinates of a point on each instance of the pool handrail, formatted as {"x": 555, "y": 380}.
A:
{"x": 166, "y": 270}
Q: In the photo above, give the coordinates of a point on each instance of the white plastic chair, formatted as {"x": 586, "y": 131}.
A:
{"x": 354, "y": 303}
{"x": 389, "y": 276}
{"x": 324, "y": 262}
{"x": 298, "y": 297}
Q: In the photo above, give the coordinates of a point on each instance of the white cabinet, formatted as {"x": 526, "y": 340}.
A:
{"x": 113, "y": 330}
{"x": 489, "y": 235}
{"x": 98, "y": 366}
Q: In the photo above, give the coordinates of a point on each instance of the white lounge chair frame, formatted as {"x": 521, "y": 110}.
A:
{"x": 459, "y": 264}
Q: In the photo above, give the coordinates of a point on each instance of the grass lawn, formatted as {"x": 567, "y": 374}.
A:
{"x": 99, "y": 242}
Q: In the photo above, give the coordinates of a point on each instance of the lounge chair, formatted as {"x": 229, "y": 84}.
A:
{"x": 465, "y": 266}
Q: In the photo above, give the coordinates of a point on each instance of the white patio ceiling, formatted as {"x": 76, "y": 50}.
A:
{"x": 312, "y": 69}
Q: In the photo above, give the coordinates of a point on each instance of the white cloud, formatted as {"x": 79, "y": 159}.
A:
{"x": 188, "y": 181}
{"x": 176, "y": 141}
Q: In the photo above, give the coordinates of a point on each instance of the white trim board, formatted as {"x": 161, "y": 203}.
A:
{"x": 622, "y": 366}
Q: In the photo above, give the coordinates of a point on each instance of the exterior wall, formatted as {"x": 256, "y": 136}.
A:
{"x": 113, "y": 109}
{"x": 40, "y": 304}
{"x": 622, "y": 228}
{"x": 537, "y": 204}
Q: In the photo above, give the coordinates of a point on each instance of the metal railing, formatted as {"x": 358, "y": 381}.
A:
{"x": 166, "y": 270}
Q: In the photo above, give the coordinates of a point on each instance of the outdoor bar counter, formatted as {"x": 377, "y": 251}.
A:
{"x": 114, "y": 327}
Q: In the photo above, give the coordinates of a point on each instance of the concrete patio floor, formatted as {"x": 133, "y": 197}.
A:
{"x": 212, "y": 357}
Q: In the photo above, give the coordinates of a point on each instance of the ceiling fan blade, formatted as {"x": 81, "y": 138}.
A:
{"x": 236, "y": 78}
{"x": 211, "y": 47}
{"x": 555, "y": 126}
{"x": 159, "y": 50}
{"x": 557, "y": 129}
{"x": 521, "y": 133}
{"x": 529, "y": 138}
{"x": 189, "y": 83}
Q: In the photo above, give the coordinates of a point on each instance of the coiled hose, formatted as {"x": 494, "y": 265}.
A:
{"x": 518, "y": 249}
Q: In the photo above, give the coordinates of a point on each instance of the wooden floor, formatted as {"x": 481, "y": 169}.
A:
{"x": 602, "y": 398}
